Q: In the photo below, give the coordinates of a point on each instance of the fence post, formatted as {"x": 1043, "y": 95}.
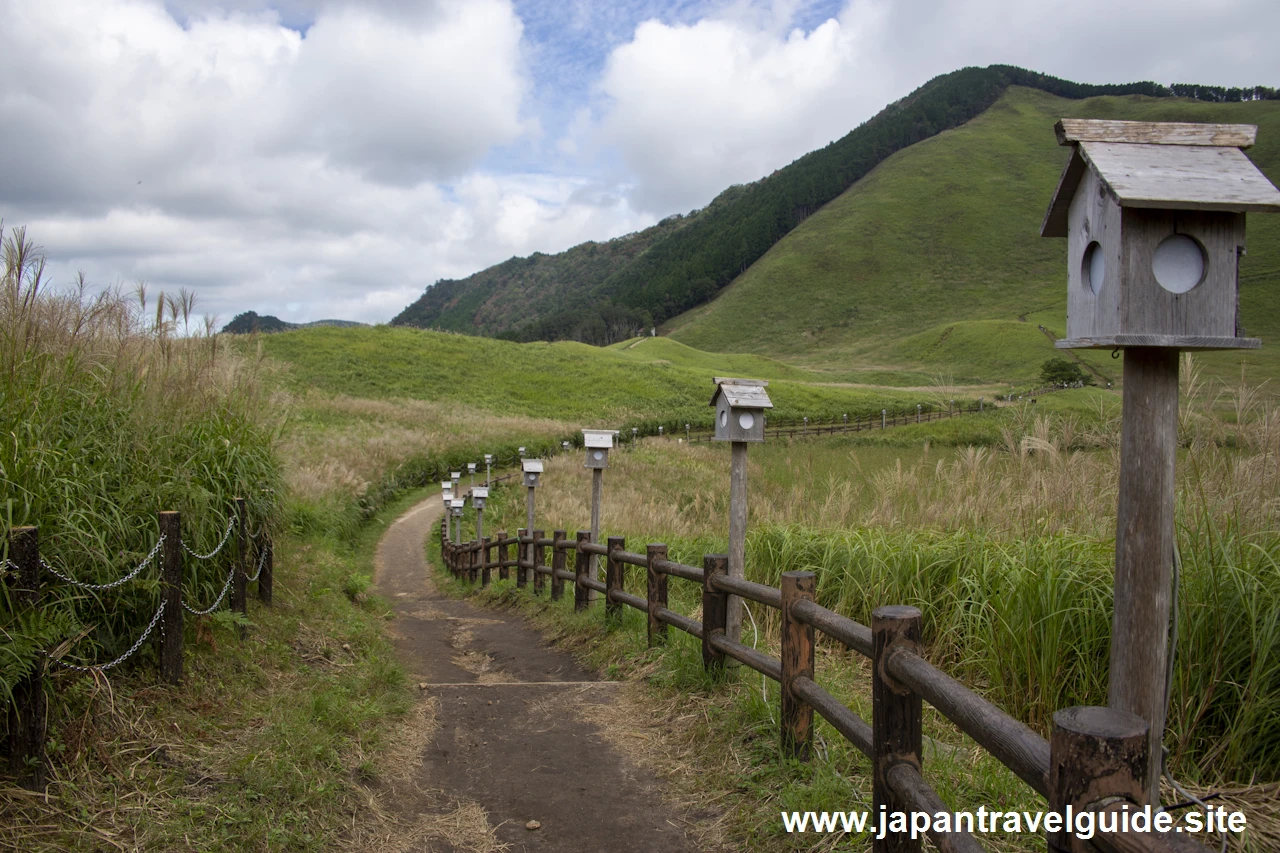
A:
{"x": 503, "y": 574}
{"x": 895, "y": 717}
{"x": 486, "y": 564}
{"x": 1094, "y": 753}
{"x": 521, "y": 577}
{"x": 558, "y": 564}
{"x": 27, "y": 710}
{"x": 474, "y": 556}
{"x": 657, "y": 592}
{"x": 539, "y": 561}
{"x": 613, "y": 577}
{"x": 266, "y": 581}
{"x": 171, "y": 595}
{"x": 580, "y": 567}
{"x": 240, "y": 574}
{"x": 715, "y": 610}
{"x": 797, "y": 660}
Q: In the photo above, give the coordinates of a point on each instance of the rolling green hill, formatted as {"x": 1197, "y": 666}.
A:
{"x": 934, "y": 261}
{"x": 650, "y": 383}
{"x": 603, "y": 292}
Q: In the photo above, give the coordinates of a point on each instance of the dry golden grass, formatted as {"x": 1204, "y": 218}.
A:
{"x": 338, "y": 446}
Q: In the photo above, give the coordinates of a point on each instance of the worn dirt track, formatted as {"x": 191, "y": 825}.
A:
{"x": 510, "y": 736}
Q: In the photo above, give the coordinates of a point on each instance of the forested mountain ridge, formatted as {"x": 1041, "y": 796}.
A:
{"x": 645, "y": 279}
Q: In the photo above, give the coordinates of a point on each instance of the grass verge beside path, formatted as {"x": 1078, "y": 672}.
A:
{"x": 271, "y": 743}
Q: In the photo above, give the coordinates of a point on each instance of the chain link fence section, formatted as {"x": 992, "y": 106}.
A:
{"x": 101, "y": 586}
{"x": 226, "y": 586}
{"x": 124, "y": 657}
{"x": 231, "y": 522}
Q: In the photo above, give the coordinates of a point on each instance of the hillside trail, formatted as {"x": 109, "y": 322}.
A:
{"x": 510, "y": 736}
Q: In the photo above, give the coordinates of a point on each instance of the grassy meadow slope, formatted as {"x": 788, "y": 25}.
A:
{"x": 653, "y": 382}
{"x": 946, "y": 232}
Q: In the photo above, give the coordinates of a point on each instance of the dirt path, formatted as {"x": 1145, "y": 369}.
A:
{"x": 510, "y": 736}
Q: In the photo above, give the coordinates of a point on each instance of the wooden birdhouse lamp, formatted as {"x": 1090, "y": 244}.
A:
{"x": 1154, "y": 217}
{"x": 740, "y": 406}
{"x": 598, "y": 443}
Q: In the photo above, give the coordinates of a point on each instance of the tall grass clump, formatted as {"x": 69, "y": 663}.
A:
{"x": 113, "y": 408}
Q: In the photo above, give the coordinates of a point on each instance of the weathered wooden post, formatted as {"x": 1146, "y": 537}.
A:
{"x": 797, "y": 661}
{"x": 171, "y": 595}
{"x": 635, "y": 434}
{"x": 580, "y": 600}
{"x": 479, "y": 496}
{"x": 503, "y": 574}
{"x": 657, "y": 592}
{"x": 883, "y": 414}
{"x": 1094, "y": 754}
{"x": 486, "y": 562}
{"x": 488, "y": 469}
{"x": 558, "y": 564}
{"x": 28, "y": 711}
{"x": 471, "y": 475}
{"x": 896, "y": 717}
{"x": 598, "y": 443}
{"x": 740, "y": 405}
{"x": 456, "y": 505}
{"x": 539, "y": 560}
{"x": 715, "y": 610}
{"x": 532, "y": 469}
{"x": 613, "y": 576}
{"x": 522, "y": 577}
{"x": 240, "y": 574}
{"x": 1154, "y": 219}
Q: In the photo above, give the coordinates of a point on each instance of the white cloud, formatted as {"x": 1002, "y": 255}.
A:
{"x": 692, "y": 108}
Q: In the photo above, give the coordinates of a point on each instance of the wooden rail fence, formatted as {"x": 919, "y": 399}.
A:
{"x": 1096, "y": 759}
{"x": 29, "y": 577}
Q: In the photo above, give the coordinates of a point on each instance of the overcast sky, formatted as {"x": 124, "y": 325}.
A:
{"x": 315, "y": 159}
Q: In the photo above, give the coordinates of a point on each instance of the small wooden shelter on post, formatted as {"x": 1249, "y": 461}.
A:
{"x": 740, "y": 406}
{"x": 1154, "y": 216}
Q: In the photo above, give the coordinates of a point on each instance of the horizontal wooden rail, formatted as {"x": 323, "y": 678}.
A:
{"x": 758, "y": 661}
{"x": 563, "y": 574}
{"x": 853, "y": 634}
{"x": 855, "y": 729}
{"x": 545, "y": 543}
{"x": 565, "y": 543}
{"x": 916, "y": 794}
{"x": 1012, "y": 743}
{"x": 679, "y": 570}
{"x": 593, "y": 548}
{"x": 684, "y": 623}
{"x": 772, "y": 596}
{"x": 630, "y": 558}
{"x": 628, "y": 599}
{"x": 591, "y": 583}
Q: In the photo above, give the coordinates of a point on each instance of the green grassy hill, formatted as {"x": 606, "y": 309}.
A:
{"x": 934, "y": 262}
{"x": 645, "y": 382}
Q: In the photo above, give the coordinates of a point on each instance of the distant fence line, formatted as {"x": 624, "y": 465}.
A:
{"x": 1095, "y": 761}
{"x": 27, "y": 574}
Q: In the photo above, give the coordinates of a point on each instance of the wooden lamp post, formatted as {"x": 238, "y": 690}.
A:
{"x": 598, "y": 443}
{"x": 740, "y": 405}
{"x": 1154, "y": 217}
{"x": 532, "y": 469}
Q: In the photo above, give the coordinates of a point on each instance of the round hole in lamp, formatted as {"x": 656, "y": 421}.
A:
{"x": 1178, "y": 263}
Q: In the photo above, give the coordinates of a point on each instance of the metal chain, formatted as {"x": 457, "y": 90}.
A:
{"x": 124, "y": 580}
{"x": 231, "y": 522}
{"x": 226, "y": 586}
{"x": 262, "y": 561}
{"x": 106, "y": 666}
